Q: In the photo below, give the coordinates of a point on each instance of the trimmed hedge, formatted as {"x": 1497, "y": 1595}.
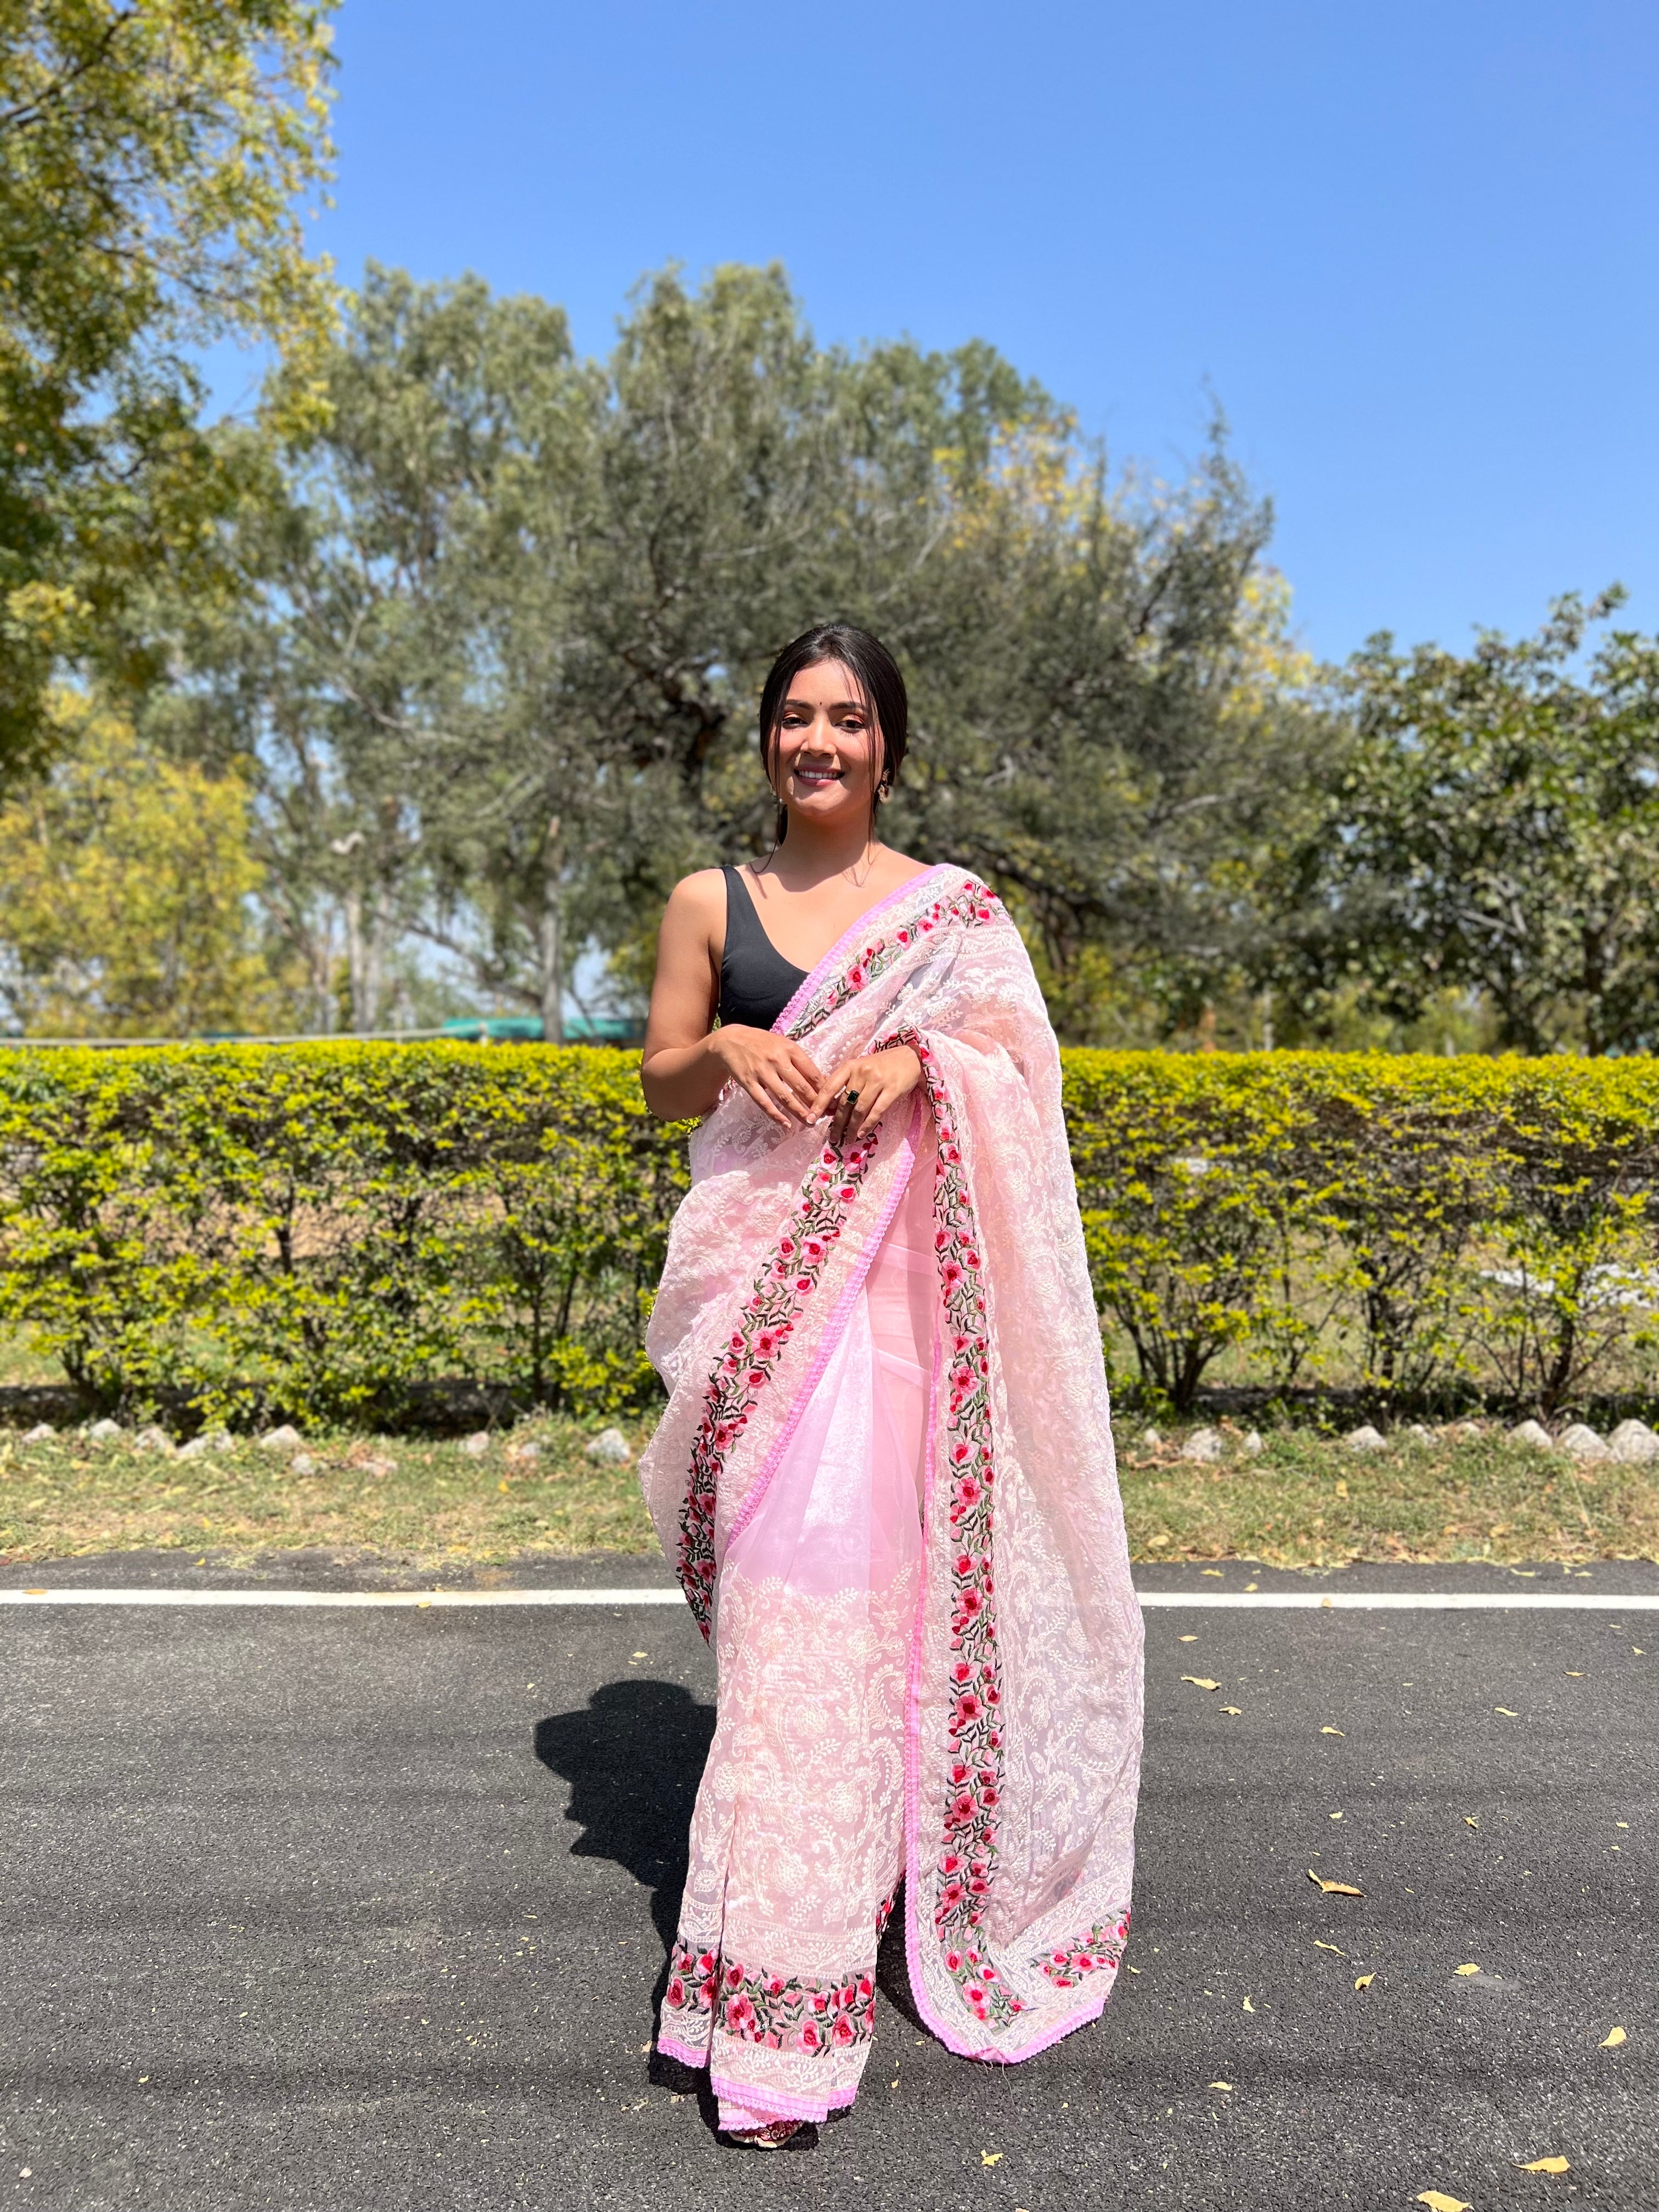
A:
{"x": 323, "y": 1230}
{"x": 330, "y": 1231}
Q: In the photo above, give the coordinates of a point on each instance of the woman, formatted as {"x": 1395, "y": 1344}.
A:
{"x": 885, "y": 1472}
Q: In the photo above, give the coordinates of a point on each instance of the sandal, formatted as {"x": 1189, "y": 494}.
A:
{"x": 772, "y": 2137}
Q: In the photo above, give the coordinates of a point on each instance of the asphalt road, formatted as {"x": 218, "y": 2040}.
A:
{"x": 366, "y": 1911}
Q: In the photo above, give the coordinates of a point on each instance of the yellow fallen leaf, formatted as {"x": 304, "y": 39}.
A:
{"x": 1336, "y": 1816}
{"x": 1134, "y": 1970}
{"x": 1546, "y": 2166}
{"x": 1248, "y": 2007}
{"x": 1364, "y": 1981}
{"x": 1330, "y": 1731}
{"x": 1248, "y": 1587}
{"x": 1468, "y": 1969}
{"x": 1221, "y": 2085}
{"x": 35, "y": 1593}
{"x": 1334, "y": 1889}
{"x": 1189, "y": 1639}
{"x": 1469, "y": 1820}
{"x": 1575, "y": 1673}
{"x": 1342, "y": 1489}
{"x": 1237, "y": 1710}
{"x": 1201, "y": 1681}
{"x": 1318, "y": 1946}
{"x": 1217, "y": 1572}
{"x": 1507, "y": 1714}
{"x": 503, "y": 1484}
{"x": 1612, "y": 2039}
{"x": 1438, "y": 2201}
{"x": 989, "y": 2157}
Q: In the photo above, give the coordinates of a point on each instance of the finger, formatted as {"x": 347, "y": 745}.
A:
{"x": 842, "y": 1121}
{"x": 867, "y": 1112}
{"x": 865, "y": 1109}
{"x": 784, "y": 1097}
{"x": 762, "y": 1100}
{"x": 785, "y": 1078}
{"x": 829, "y": 1088}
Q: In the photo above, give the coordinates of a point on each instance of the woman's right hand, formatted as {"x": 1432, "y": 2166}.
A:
{"x": 782, "y": 1080}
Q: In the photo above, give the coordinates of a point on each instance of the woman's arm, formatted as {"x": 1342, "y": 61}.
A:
{"x": 687, "y": 1064}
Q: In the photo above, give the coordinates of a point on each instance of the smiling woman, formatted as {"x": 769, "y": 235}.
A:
{"x": 885, "y": 1472}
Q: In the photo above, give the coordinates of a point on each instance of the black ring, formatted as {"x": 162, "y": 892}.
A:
{"x": 851, "y": 1096}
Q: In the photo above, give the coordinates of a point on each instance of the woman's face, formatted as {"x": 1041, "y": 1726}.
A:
{"x": 829, "y": 752}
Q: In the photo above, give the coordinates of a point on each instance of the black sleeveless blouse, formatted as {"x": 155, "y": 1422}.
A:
{"x": 757, "y": 981}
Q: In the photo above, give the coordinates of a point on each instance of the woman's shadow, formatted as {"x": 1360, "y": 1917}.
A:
{"x": 633, "y": 1758}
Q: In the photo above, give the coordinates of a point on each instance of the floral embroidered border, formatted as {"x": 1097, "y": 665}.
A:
{"x": 790, "y": 1276}
{"x": 969, "y": 904}
{"x": 967, "y": 1861}
{"x": 781, "y": 2012}
{"x": 1096, "y": 1948}
{"x": 793, "y": 1270}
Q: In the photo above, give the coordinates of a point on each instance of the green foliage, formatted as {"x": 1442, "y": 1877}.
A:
{"x": 333, "y": 1231}
{"x": 1490, "y": 827}
{"x": 505, "y": 615}
{"x": 149, "y": 159}
{"x": 1486, "y": 1223}
{"x": 330, "y": 1229}
{"x": 128, "y": 878}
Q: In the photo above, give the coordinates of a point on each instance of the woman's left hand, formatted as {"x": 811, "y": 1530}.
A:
{"x": 859, "y": 1091}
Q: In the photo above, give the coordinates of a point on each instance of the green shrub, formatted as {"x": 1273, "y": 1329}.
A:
{"x": 1434, "y": 1222}
{"x": 326, "y": 1229}
{"x": 330, "y": 1231}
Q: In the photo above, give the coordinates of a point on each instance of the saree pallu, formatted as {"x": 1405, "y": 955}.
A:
{"x": 885, "y": 1477}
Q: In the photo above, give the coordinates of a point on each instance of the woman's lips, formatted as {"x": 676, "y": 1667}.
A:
{"x": 819, "y": 775}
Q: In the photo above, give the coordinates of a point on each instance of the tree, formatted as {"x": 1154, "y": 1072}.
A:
{"x": 150, "y": 153}
{"x": 128, "y": 881}
{"x": 398, "y": 557}
{"x": 1492, "y": 827}
{"x": 506, "y": 614}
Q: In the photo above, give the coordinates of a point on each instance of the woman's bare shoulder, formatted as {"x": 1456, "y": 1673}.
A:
{"x": 901, "y": 868}
{"x": 700, "y": 896}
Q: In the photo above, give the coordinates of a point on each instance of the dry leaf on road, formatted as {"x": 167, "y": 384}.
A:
{"x": 1438, "y": 2201}
{"x": 1364, "y": 1981}
{"x": 1237, "y": 1710}
{"x": 1468, "y": 1969}
{"x": 1470, "y": 1821}
{"x": 1546, "y": 2166}
{"x": 1187, "y": 1639}
{"x": 1248, "y": 2007}
{"x": 1507, "y": 1714}
{"x": 1330, "y": 1731}
{"x": 989, "y": 2157}
{"x": 1221, "y": 2085}
{"x": 1612, "y": 2039}
{"x": 1201, "y": 1681}
{"x": 1334, "y": 1889}
{"x": 1318, "y": 1946}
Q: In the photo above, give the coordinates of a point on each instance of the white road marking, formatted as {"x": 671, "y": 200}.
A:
{"x": 1259, "y": 1601}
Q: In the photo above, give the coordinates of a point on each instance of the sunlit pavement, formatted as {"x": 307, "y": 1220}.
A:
{"x": 366, "y": 1909}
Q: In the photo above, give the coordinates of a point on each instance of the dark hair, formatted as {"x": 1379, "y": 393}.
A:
{"x": 880, "y": 688}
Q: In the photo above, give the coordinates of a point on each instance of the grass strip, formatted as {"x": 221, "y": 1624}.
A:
{"x": 1304, "y": 1502}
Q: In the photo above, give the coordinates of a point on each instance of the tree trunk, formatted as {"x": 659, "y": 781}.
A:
{"x": 356, "y": 956}
{"x": 552, "y": 959}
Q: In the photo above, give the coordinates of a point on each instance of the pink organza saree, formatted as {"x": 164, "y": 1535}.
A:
{"x": 885, "y": 1475}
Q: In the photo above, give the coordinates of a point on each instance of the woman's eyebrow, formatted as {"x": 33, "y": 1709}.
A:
{"x": 835, "y": 705}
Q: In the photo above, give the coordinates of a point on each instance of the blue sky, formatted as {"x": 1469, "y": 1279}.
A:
{"x": 1412, "y": 251}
